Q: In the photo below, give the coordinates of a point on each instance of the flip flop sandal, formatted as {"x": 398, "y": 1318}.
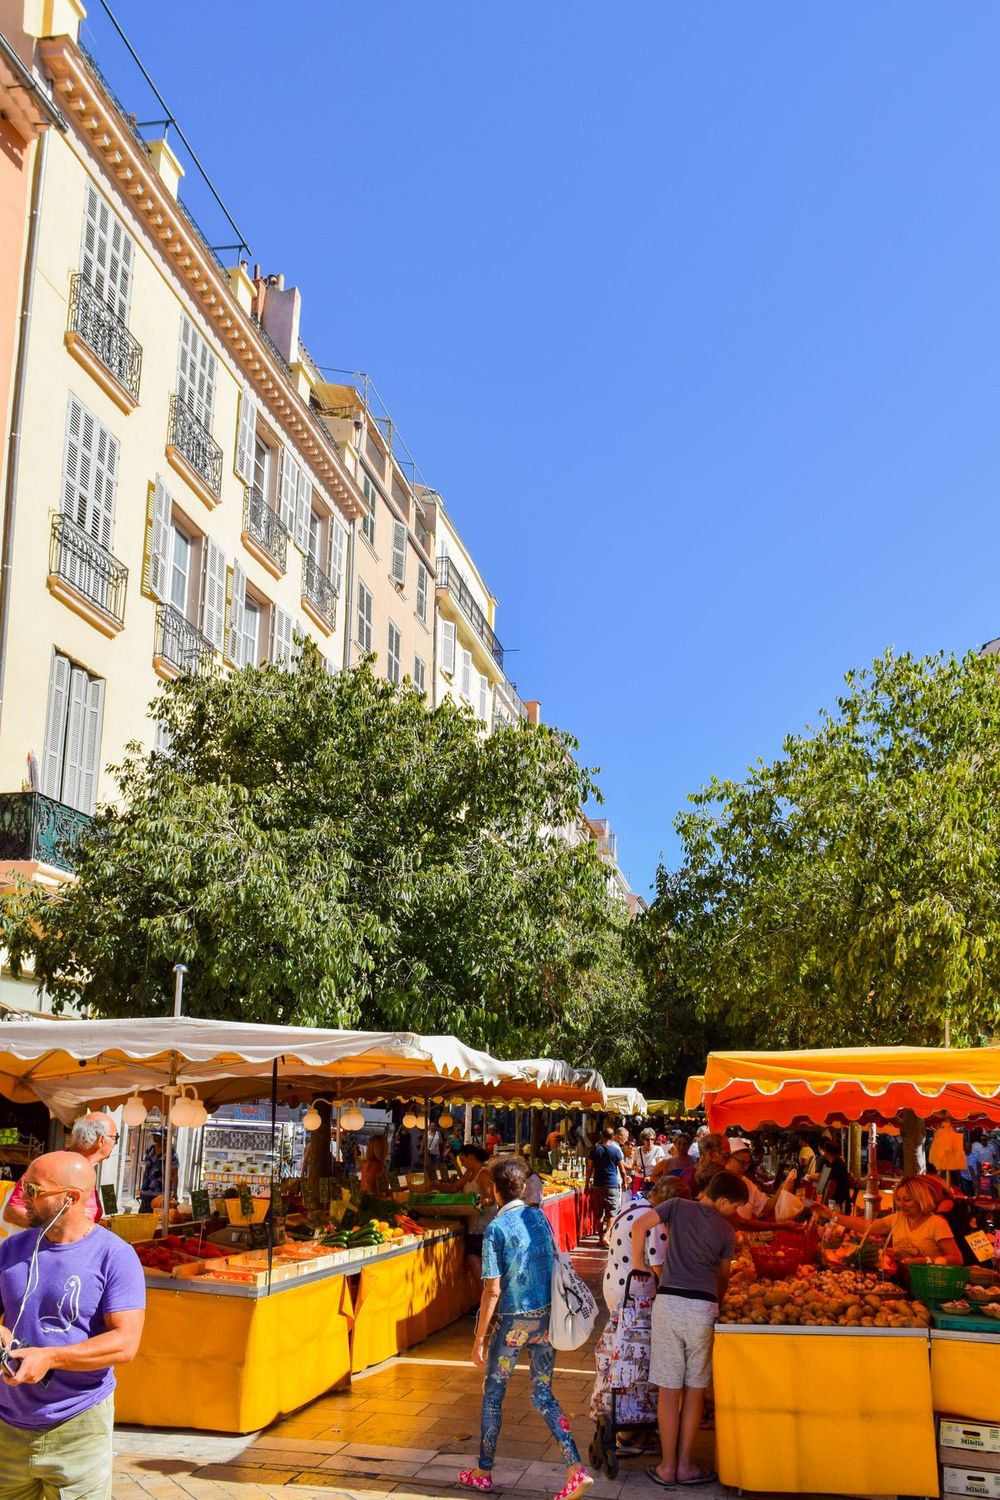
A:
{"x": 698, "y": 1479}
{"x": 665, "y": 1484}
{"x": 475, "y": 1479}
{"x": 576, "y": 1483}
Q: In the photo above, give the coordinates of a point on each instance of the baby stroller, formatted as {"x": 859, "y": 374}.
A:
{"x": 623, "y": 1397}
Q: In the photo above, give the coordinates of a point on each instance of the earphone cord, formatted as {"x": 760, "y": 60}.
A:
{"x": 32, "y": 1280}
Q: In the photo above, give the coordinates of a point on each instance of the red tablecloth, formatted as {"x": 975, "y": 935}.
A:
{"x": 571, "y": 1216}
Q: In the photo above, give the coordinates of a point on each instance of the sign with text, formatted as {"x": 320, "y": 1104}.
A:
{"x": 981, "y": 1245}
{"x": 201, "y": 1204}
{"x": 246, "y": 1201}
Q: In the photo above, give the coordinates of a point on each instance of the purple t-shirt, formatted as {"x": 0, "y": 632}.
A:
{"x": 75, "y": 1285}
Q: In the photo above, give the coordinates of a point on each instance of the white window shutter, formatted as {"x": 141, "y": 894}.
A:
{"x": 448, "y": 647}
{"x": 288, "y": 481}
{"x": 398, "y": 565}
{"x": 303, "y": 511}
{"x": 421, "y": 592}
{"x": 79, "y": 684}
{"x": 338, "y": 549}
{"x": 78, "y": 462}
{"x": 246, "y": 434}
{"x": 467, "y": 674}
{"x": 196, "y": 373}
{"x": 419, "y": 674}
{"x": 237, "y": 613}
{"x": 106, "y": 254}
{"x": 102, "y": 510}
{"x": 484, "y": 698}
{"x": 93, "y": 715}
{"x": 282, "y": 640}
{"x": 55, "y": 727}
{"x": 159, "y": 542}
{"x": 213, "y": 595}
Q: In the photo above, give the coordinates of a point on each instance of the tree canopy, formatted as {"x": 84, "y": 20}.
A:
{"x": 847, "y": 892}
{"x": 327, "y": 850}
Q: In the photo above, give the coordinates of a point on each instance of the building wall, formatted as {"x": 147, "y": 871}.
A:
{"x": 452, "y": 603}
{"x": 16, "y": 160}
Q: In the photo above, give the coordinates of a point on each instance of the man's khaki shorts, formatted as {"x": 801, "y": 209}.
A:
{"x": 680, "y": 1352}
{"x": 71, "y": 1461}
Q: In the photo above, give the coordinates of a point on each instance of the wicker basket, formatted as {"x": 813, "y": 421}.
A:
{"x": 133, "y": 1227}
{"x": 937, "y": 1284}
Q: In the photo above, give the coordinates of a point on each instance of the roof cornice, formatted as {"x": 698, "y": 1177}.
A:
{"x": 97, "y": 120}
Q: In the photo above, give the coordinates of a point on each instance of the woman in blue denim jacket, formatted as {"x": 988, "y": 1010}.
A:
{"x": 514, "y": 1315}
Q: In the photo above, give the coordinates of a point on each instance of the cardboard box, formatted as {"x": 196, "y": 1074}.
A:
{"x": 970, "y": 1481}
{"x": 957, "y": 1458}
{"x": 974, "y": 1437}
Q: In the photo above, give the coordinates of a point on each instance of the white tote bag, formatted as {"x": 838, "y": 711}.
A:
{"x": 574, "y": 1308}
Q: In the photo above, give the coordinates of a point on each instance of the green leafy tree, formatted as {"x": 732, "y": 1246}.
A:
{"x": 327, "y": 850}
{"x": 847, "y": 892}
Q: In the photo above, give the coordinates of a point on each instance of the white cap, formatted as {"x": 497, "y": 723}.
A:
{"x": 738, "y": 1143}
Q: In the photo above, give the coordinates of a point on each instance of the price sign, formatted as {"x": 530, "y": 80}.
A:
{"x": 258, "y": 1236}
{"x": 981, "y": 1245}
{"x": 397, "y": 1181}
{"x": 109, "y": 1199}
{"x": 201, "y": 1204}
{"x": 246, "y": 1201}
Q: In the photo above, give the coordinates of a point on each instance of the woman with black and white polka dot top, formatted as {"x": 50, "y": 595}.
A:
{"x": 620, "y": 1261}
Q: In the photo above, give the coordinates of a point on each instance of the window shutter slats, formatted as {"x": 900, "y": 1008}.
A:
{"x": 55, "y": 727}
{"x": 283, "y": 636}
{"x": 106, "y": 254}
{"x": 159, "y": 542}
{"x": 338, "y": 549}
{"x": 237, "y": 614}
{"x": 484, "y": 699}
{"x": 93, "y": 713}
{"x": 398, "y": 564}
{"x": 467, "y": 674}
{"x": 196, "y": 373}
{"x": 246, "y": 434}
{"x": 303, "y": 511}
{"x": 421, "y": 592}
{"x": 73, "y": 760}
{"x": 448, "y": 647}
{"x": 213, "y": 606}
{"x": 288, "y": 490}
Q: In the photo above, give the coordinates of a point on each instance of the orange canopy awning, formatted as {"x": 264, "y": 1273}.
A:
{"x": 843, "y": 1085}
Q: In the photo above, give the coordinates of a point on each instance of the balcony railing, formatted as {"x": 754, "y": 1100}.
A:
{"x": 178, "y": 642}
{"x": 105, "y": 333}
{"x": 188, "y": 434}
{"x": 507, "y": 702}
{"x": 448, "y": 577}
{"x": 79, "y": 560}
{"x": 266, "y": 527}
{"x": 320, "y": 590}
{"x": 37, "y": 828}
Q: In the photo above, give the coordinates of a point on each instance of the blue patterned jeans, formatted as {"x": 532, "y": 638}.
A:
{"x": 514, "y": 1332}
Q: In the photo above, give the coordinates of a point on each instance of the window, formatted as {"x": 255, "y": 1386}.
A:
{"x": 398, "y": 564}
{"x": 421, "y": 592}
{"x": 303, "y": 511}
{"x": 419, "y": 674}
{"x": 90, "y": 474}
{"x": 196, "y": 373}
{"x": 106, "y": 255}
{"x": 293, "y": 499}
{"x": 392, "y": 659}
{"x": 246, "y": 436}
{"x": 317, "y": 538}
{"x": 338, "y": 549}
{"x": 262, "y": 477}
{"x": 448, "y": 647}
{"x": 213, "y": 595}
{"x": 71, "y": 758}
{"x": 364, "y": 618}
{"x": 237, "y": 588}
{"x": 467, "y": 675}
{"x": 179, "y": 591}
{"x": 249, "y": 645}
{"x": 484, "y": 698}
{"x": 282, "y": 638}
{"x": 371, "y": 494}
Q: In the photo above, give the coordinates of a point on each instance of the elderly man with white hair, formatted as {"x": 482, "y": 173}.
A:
{"x": 94, "y": 1136}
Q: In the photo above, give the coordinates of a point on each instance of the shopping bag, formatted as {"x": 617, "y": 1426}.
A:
{"x": 574, "y": 1309}
{"x": 787, "y": 1205}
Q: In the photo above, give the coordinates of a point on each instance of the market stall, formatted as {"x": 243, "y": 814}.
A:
{"x": 864, "y": 1361}
{"x": 275, "y": 1325}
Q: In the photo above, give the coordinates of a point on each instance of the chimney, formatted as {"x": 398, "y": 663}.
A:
{"x": 280, "y": 315}
{"x": 533, "y": 709}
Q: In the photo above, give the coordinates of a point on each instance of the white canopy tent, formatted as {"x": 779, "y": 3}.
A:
{"x": 624, "y": 1102}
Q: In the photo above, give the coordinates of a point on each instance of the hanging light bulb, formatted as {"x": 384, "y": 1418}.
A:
{"x": 351, "y": 1118}
{"x": 445, "y": 1120}
{"x": 409, "y": 1120}
{"x": 185, "y": 1111}
{"x": 202, "y": 1114}
{"x": 421, "y": 1121}
{"x": 134, "y": 1111}
{"x": 311, "y": 1119}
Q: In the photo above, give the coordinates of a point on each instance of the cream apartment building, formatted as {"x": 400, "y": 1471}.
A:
{"x": 173, "y": 500}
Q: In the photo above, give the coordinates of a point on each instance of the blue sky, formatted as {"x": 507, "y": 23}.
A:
{"x": 689, "y": 310}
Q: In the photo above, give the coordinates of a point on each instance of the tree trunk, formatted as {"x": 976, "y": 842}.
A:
{"x": 538, "y": 1134}
{"x": 320, "y": 1159}
{"x": 912, "y": 1131}
{"x": 854, "y": 1150}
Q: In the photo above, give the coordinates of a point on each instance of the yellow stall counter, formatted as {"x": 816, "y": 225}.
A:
{"x": 965, "y": 1375}
{"x": 405, "y": 1297}
{"x": 235, "y": 1363}
{"x": 824, "y": 1411}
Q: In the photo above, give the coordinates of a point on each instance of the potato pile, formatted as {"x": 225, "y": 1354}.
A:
{"x": 821, "y": 1299}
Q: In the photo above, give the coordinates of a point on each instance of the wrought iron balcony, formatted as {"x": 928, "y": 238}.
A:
{"x": 105, "y": 333}
{"x": 179, "y": 643}
{"x": 507, "y": 702}
{"x": 266, "y": 527}
{"x": 36, "y": 828}
{"x": 192, "y": 439}
{"x": 448, "y": 577}
{"x": 76, "y": 558}
{"x": 320, "y": 591}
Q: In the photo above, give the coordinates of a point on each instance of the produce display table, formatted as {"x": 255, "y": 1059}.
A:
{"x": 230, "y": 1358}
{"x": 824, "y": 1410}
{"x": 965, "y": 1375}
{"x": 561, "y": 1211}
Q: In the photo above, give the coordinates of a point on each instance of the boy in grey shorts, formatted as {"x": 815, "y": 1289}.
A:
{"x": 693, "y": 1281}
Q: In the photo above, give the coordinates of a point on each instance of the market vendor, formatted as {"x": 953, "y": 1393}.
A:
{"x": 918, "y": 1234}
